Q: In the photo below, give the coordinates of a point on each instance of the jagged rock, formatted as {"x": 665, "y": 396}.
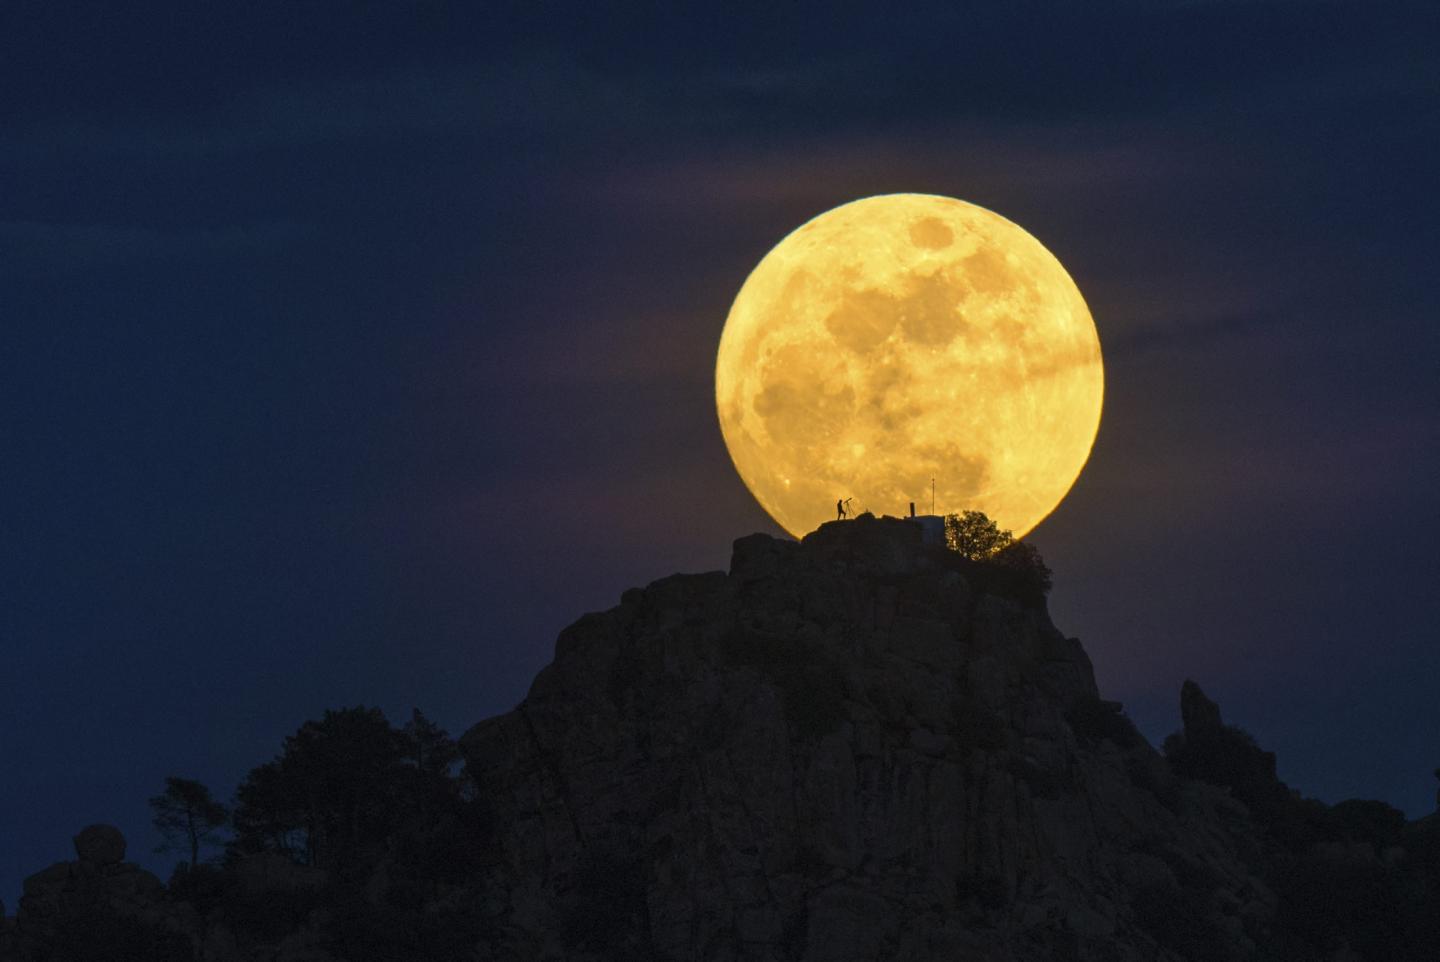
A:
{"x": 1199, "y": 715}
{"x": 1211, "y": 751}
{"x": 100, "y": 845}
{"x": 846, "y": 748}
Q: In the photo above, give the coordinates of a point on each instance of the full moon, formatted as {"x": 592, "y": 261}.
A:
{"x": 904, "y": 338}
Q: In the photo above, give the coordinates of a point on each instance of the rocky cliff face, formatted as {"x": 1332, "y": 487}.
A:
{"x": 850, "y": 747}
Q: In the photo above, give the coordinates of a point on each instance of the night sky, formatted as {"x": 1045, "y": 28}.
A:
{"x": 348, "y": 352}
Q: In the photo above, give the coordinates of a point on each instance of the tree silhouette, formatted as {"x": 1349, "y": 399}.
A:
{"x": 1024, "y": 558}
{"x": 1015, "y": 567}
{"x": 975, "y": 536}
{"x": 431, "y": 755}
{"x": 186, "y": 815}
{"x": 335, "y": 785}
{"x": 431, "y": 750}
{"x": 270, "y": 816}
{"x": 350, "y": 787}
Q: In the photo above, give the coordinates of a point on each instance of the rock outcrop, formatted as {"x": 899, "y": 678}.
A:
{"x": 851, "y": 747}
{"x": 101, "y": 907}
{"x": 1198, "y": 714}
{"x": 99, "y": 904}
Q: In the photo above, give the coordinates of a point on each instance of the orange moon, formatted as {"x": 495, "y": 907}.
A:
{"x": 901, "y": 338}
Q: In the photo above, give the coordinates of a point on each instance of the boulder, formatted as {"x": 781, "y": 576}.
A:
{"x": 100, "y": 845}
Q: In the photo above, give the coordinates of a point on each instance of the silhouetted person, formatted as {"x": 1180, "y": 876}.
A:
{"x": 839, "y": 510}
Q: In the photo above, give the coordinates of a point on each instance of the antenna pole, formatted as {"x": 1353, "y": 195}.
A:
{"x": 932, "y": 495}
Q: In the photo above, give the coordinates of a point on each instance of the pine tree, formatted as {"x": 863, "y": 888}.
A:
{"x": 186, "y": 814}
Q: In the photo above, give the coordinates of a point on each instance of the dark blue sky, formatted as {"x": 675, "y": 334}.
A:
{"x": 347, "y": 352}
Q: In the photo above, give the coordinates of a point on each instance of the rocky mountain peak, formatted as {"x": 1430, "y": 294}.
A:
{"x": 853, "y": 746}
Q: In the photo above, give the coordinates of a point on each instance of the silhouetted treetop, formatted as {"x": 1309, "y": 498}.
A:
{"x": 344, "y": 783}
{"x": 974, "y": 536}
{"x": 186, "y": 816}
{"x": 431, "y": 750}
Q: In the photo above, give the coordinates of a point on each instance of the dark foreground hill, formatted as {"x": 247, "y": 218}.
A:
{"x": 854, "y": 747}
